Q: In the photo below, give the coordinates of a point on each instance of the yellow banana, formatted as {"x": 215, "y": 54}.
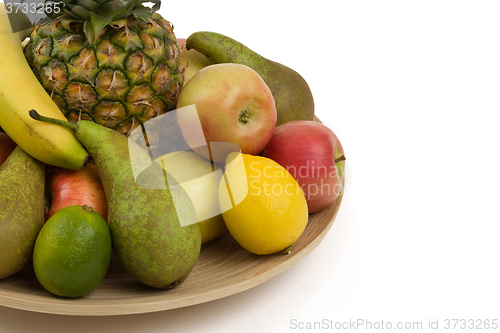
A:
{"x": 20, "y": 91}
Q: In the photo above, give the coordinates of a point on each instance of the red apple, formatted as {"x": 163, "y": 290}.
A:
{"x": 313, "y": 155}
{"x": 75, "y": 187}
{"x": 7, "y": 145}
{"x": 192, "y": 60}
{"x": 233, "y": 105}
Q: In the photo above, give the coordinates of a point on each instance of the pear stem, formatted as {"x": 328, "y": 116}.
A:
{"x": 35, "y": 115}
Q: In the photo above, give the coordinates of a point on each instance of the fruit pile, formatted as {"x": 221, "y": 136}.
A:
{"x": 76, "y": 186}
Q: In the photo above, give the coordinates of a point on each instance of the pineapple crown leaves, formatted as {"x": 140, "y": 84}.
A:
{"x": 97, "y": 14}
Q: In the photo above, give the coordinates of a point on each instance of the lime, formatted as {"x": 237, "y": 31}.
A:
{"x": 72, "y": 252}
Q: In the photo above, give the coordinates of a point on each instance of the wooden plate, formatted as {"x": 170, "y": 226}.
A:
{"x": 224, "y": 268}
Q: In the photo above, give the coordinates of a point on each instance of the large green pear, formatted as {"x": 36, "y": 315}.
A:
{"x": 22, "y": 181}
{"x": 152, "y": 221}
{"x": 293, "y": 97}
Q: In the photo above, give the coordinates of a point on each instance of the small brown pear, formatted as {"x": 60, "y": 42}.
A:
{"x": 22, "y": 182}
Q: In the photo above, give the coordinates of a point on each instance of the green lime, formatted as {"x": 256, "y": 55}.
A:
{"x": 72, "y": 252}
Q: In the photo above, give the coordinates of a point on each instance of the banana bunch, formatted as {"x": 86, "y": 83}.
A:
{"x": 20, "y": 92}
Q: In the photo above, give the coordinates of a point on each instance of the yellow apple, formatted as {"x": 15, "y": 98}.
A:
{"x": 200, "y": 179}
{"x": 191, "y": 59}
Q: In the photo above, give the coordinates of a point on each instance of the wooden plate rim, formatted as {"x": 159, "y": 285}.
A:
{"x": 43, "y": 302}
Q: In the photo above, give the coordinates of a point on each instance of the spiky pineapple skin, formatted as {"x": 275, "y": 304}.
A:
{"x": 130, "y": 74}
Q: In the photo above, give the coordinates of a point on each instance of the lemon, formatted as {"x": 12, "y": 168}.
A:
{"x": 72, "y": 252}
{"x": 263, "y": 206}
{"x": 200, "y": 179}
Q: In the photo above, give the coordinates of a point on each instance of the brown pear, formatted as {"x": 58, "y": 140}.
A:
{"x": 293, "y": 97}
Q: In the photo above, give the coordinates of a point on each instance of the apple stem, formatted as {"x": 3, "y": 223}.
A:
{"x": 35, "y": 115}
{"x": 340, "y": 159}
{"x": 287, "y": 250}
{"x": 244, "y": 117}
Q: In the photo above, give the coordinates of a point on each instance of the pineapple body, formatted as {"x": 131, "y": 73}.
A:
{"x": 129, "y": 74}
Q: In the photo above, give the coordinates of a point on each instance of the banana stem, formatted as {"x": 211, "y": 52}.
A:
{"x": 35, "y": 115}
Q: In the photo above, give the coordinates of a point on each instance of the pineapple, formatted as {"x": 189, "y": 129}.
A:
{"x": 114, "y": 62}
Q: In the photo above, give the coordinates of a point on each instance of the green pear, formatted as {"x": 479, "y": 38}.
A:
{"x": 154, "y": 231}
{"x": 22, "y": 181}
{"x": 292, "y": 95}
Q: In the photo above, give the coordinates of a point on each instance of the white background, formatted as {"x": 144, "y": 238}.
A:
{"x": 411, "y": 88}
